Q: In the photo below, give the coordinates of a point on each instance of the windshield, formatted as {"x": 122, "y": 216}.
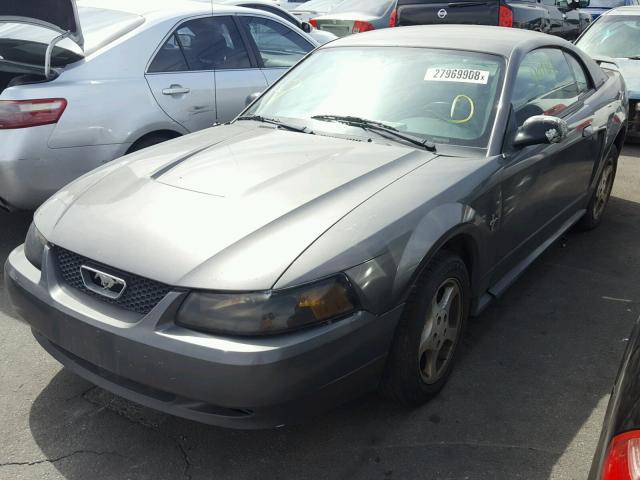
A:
{"x": 375, "y": 8}
{"x": 441, "y": 95}
{"x": 614, "y": 36}
{"x": 606, "y": 3}
{"x": 319, "y": 5}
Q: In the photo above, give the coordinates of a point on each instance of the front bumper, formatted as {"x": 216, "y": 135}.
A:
{"x": 232, "y": 382}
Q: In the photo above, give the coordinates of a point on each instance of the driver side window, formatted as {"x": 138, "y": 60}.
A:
{"x": 545, "y": 85}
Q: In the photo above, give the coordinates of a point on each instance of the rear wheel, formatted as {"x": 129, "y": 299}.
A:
{"x": 427, "y": 339}
{"x": 600, "y": 198}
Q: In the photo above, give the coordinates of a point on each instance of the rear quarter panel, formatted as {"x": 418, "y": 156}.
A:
{"x": 109, "y": 101}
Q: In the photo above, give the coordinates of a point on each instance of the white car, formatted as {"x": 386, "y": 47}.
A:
{"x": 81, "y": 85}
{"x": 314, "y": 8}
{"x": 318, "y": 35}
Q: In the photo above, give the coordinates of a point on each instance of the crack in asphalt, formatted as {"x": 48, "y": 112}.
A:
{"x": 58, "y": 459}
{"x": 185, "y": 457}
{"x": 144, "y": 424}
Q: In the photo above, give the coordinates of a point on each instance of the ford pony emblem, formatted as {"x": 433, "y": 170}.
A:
{"x": 102, "y": 283}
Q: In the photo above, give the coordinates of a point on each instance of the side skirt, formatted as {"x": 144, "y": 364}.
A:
{"x": 498, "y": 289}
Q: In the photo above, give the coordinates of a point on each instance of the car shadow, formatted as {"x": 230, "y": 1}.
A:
{"x": 13, "y": 229}
{"x": 525, "y": 401}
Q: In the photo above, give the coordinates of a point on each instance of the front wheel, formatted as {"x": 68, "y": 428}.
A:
{"x": 428, "y": 335}
{"x": 600, "y": 198}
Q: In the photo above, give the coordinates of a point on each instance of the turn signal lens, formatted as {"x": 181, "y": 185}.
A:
{"x": 30, "y": 113}
{"x": 506, "y": 17}
{"x": 359, "y": 26}
{"x": 623, "y": 457}
{"x": 262, "y": 313}
{"x": 314, "y": 22}
{"x": 393, "y": 20}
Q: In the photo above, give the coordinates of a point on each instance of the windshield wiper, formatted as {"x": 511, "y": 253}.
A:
{"x": 274, "y": 121}
{"x": 377, "y": 127}
{"x": 634, "y": 57}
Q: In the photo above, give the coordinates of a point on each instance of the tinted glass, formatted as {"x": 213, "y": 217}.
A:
{"x": 446, "y": 96}
{"x": 213, "y": 43}
{"x": 579, "y": 73}
{"x": 545, "y": 85}
{"x": 614, "y": 36}
{"x": 170, "y": 58}
{"x": 278, "y": 45}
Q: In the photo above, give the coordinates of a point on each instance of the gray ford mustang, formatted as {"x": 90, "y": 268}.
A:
{"x": 335, "y": 237}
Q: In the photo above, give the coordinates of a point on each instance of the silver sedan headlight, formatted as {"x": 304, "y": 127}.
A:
{"x": 269, "y": 312}
{"x": 34, "y": 246}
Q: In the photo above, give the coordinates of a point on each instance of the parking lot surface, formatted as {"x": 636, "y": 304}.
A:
{"x": 526, "y": 401}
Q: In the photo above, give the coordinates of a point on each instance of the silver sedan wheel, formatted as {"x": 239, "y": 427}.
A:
{"x": 603, "y": 191}
{"x": 441, "y": 330}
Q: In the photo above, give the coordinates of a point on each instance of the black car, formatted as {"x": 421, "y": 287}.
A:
{"x": 556, "y": 17}
{"x": 618, "y": 453}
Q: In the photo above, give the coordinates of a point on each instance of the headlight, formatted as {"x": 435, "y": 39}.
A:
{"x": 269, "y": 312}
{"x": 34, "y": 246}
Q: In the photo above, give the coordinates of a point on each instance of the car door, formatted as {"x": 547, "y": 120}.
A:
{"x": 543, "y": 186}
{"x": 571, "y": 20}
{"x": 556, "y": 17}
{"x": 181, "y": 75}
{"x": 278, "y": 45}
{"x": 236, "y": 70}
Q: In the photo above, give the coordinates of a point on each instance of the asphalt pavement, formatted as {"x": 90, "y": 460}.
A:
{"x": 526, "y": 401}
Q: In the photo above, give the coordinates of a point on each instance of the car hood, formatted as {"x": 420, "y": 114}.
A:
{"x": 630, "y": 70}
{"x": 229, "y": 208}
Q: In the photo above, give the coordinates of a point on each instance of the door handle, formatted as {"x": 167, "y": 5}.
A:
{"x": 175, "y": 90}
{"x": 588, "y": 131}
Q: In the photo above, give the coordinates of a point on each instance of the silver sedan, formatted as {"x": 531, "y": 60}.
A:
{"x": 124, "y": 78}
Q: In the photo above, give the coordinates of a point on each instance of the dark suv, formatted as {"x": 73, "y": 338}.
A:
{"x": 557, "y": 17}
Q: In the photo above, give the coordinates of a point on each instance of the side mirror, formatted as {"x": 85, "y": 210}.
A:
{"x": 306, "y": 27}
{"x": 252, "y": 98}
{"x": 541, "y": 130}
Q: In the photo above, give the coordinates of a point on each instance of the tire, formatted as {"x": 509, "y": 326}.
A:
{"x": 600, "y": 197}
{"x": 428, "y": 335}
{"x": 149, "y": 141}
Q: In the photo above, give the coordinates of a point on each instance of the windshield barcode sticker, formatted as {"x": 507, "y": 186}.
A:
{"x": 461, "y": 75}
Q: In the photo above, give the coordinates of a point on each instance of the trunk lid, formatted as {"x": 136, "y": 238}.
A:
{"x": 58, "y": 15}
{"x": 342, "y": 24}
{"x": 29, "y": 35}
{"x": 428, "y": 12}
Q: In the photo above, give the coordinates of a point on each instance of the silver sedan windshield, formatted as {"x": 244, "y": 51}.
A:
{"x": 440, "y": 95}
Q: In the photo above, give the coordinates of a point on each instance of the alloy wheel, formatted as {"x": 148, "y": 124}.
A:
{"x": 441, "y": 331}
{"x": 603, "y": 191}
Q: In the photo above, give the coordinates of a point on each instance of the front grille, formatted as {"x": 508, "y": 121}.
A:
{"x": 140, "y": 296}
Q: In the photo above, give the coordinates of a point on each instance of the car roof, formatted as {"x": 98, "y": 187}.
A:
{"x": 478, "y": 38}
{"x": 269, "y": 3}
{"x": 628, "y": 10}
{"x": 158, "y": 9}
